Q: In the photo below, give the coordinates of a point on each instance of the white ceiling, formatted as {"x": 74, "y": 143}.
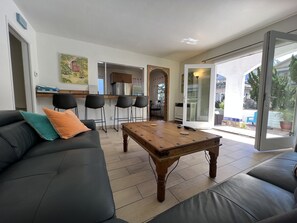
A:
{"x": 155, "y": 27}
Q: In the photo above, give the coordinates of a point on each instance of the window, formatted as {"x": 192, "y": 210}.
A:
{"x": 101, "y": 78}
{"x": 101, "y": 85}
{"x": 104, "y": 78}
{"x": 161, "y": 92}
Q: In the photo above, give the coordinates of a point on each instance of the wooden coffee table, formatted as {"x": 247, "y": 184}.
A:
{"x": 166, "y": 143}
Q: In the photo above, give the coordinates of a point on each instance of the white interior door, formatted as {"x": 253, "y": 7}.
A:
{"x": 277, "y": 92}
{"x": 199, "y": 101}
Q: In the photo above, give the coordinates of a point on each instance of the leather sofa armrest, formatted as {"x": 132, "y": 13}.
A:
{"x": 89, "y": 123}
{"x": 289, "y": 217}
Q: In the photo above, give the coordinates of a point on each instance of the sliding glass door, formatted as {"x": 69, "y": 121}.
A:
{"x": 276, "y": 123}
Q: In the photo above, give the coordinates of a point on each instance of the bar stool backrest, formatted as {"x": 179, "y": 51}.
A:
{"x": 94, "y": 101}
{"x": 124, "y": 101}
{"x": 141, "y": 101}
{"x": 64, "y": 101}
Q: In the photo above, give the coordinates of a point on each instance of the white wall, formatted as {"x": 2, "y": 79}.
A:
{"x": 8, "y": 16}
{"x": 286, "y": 25}
{"x": 49, "y": 47}
{"x": 234, "y": 71}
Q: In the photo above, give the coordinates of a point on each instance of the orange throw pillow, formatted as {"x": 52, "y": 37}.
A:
{"x": 65, "y": 123}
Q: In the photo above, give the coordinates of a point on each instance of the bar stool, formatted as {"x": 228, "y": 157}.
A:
{"x": 124, "y": 102}
{"x": 95, "y": 101}
{"x": 65, "y": 101}
{"x": 141, "y": 102}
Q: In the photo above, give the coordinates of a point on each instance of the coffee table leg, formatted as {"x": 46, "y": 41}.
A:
{"x": 213, "y": 162}
{"x": 161, "y": 170}
{"x": 125, "y": 141}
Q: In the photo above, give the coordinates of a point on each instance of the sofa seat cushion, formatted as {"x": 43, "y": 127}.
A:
{"x": 19, "y": 199}
{"x": 67, "y": 186}
{"x": 289, "y": 217}
{"x": 205, "y": 207}
{"x": 240, "y": 199}
{"x": 259, "y": 198}
{"x": 83, "y": 140}
{"x": 278, "y": 171}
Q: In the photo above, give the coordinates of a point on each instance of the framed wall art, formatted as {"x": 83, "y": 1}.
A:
{"x": 74, "y": 69}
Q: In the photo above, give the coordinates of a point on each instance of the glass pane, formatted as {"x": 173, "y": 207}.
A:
{"x": 198, "y": 94}
{"x": 101, "y": 78}
{"x": 101, "y": 86}
{"x": 161, "y": 92}
{"x": 283, "y": 90}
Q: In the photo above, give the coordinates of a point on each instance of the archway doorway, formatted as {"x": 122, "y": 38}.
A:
{"x": 158, "y": 91}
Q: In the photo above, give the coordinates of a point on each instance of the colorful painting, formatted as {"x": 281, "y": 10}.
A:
{"x": 74, "y": 69}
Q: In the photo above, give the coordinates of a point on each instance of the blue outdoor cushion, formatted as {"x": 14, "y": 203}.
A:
{"x": 41, "y": 124}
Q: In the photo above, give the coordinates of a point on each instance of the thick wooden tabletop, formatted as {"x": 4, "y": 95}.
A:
{"x": 165, "y": 139}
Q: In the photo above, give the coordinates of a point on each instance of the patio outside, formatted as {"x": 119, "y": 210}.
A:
{"x": 236, "y": 107}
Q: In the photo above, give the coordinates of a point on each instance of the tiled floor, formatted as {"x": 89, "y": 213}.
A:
{"x": 133, "y": 182}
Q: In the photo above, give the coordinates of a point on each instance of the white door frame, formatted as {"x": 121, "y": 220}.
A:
{"x": 209, "y": 123}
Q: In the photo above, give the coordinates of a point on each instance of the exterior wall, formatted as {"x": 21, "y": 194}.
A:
{"x": 234, "y": 71}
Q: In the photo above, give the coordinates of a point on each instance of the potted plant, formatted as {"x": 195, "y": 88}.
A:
{"x": 287, "y": 116}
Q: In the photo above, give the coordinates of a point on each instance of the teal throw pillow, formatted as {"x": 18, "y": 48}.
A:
{"x": 41, "y": 124}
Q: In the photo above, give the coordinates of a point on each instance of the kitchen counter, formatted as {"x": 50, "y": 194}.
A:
{"x": 75, "y": 93}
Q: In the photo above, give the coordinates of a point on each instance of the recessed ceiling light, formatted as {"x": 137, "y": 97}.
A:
{"x": 189, "y": 41}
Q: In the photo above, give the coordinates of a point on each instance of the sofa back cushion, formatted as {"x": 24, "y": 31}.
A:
{"x": 16, "y": 137}
{"x": 8, "y": 117}
{"x": 7, "y": 154}
{"x": 20, "y": 136}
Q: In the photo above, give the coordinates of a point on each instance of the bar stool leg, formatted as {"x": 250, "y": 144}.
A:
{"x": 76, "y": 111}
{"x": 103, "y": 120}
{"x": 114, "y": 118}
{"x": 117, "y": 119}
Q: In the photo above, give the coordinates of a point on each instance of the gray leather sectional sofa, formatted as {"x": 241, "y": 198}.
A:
{"x": 52, "y": 181}
{"x": 66, "y": 181}
{"x": 265, "y": 194}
